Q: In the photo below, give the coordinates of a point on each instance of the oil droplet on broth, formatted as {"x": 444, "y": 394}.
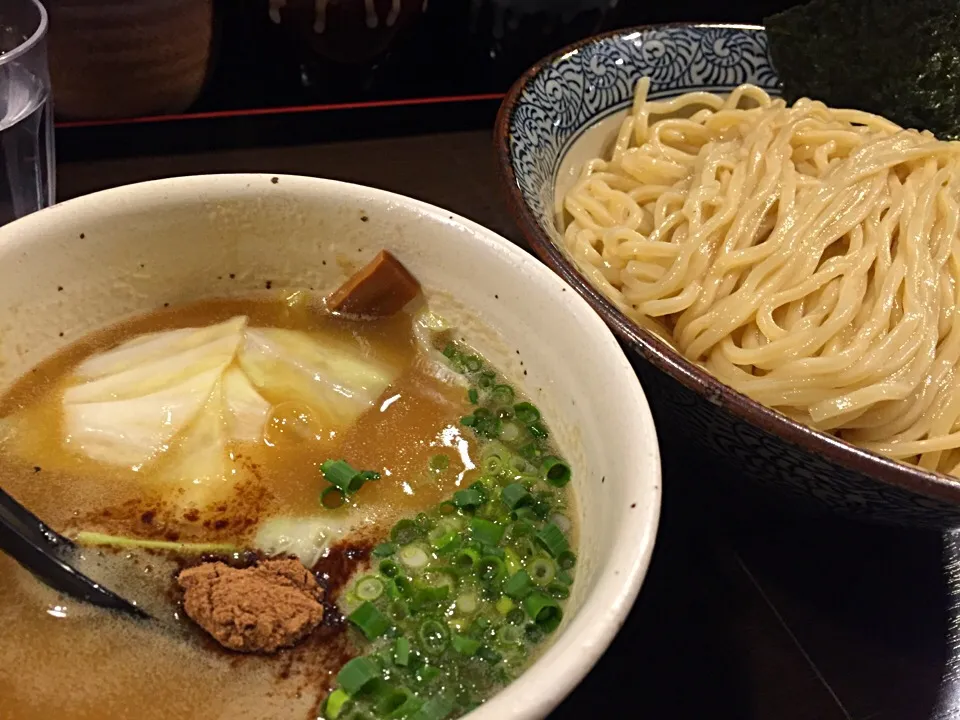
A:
{"x": 292, "y": 423}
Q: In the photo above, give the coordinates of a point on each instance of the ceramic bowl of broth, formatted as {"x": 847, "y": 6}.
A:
{"x": 473, "y": 480}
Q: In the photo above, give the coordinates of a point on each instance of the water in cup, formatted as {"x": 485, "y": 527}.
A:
{"x": 26, "y": 142}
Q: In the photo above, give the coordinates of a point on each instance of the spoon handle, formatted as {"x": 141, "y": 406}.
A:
{"x": 38, "y": 549}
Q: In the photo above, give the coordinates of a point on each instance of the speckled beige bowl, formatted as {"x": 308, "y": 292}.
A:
{"x": 92, "y": 261}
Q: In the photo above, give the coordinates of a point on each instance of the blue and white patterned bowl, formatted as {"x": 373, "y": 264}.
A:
{"x": 566, "y": 109}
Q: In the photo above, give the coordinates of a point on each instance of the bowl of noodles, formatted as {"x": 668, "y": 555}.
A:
{"x": 785, "y": 275}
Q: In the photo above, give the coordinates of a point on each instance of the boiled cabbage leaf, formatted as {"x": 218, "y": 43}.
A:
{"x": 246, "y": 409}
{"x": 180, "y": 397}
{"x": 307, "y": 538}
{"x": 134, "y": 430}
{"x": 332, "y": 377}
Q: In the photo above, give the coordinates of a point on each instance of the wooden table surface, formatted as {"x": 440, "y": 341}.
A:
{"x": 750, "y": 610}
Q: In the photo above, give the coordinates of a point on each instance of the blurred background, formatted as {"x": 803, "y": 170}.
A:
{"x": 271, "y": 67}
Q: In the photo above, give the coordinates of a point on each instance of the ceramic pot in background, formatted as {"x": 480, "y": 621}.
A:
{"x": 341, "y": 43}
{"x": 124, "y": 58}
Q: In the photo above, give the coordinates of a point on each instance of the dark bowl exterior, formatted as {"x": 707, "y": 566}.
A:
{"x": 760, "y": 444}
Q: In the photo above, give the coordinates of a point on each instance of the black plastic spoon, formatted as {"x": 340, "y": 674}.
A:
{"x": 45, "y": 553}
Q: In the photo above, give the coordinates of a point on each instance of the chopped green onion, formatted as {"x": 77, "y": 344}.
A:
{"x": 533, "y": 632}
{"x": 544, "y": 611}
{"x": 405, "y": 532}
{"x": 486, "y": 378}
{"x": 526, "y": 548}
{"x": 389, "y": 568}
{"x": 468, "y": 420}
{"x": 411, "y": 705}
{"x": 472, "y": 363}
{"x": 440, "y": 462}
{"x": 512, "y": 561}
{"x": 467, "y": 603}
{"x": 526, "y": 513}
{"x": 450, "y": 350}
{"x": 510, "y": 432}
{"x": 335, "y": 702}
{"x": 566, "y": 560}
{"x": 332, "y": 497}
{"x": 510, "y": 635}
{"x": 467, "y": 499}
{"x": 425, "y": 594}
{"x": 559, "y": 590}
{"x": 526, "y": 413}
{"x": 464, "y": 645}
{"x": 514, "y": 495}
{"x": 564, "y": 577}
{"x": 481, "y": 486}
{"x": 341, "y": 474}
{"x": 434, "y": 636}
{"x": 497, "y": 449}
{"x": 505, "y": 605}
{"x": 489, "y": 655}
{"x": 516, "y": 617}
{"x": 399, "y": 610}
{"x": 481, "y": 624}
{"x": 561, "y": 521}
{"x": 356, "y": 674}
{"x": 473, "y": 396}
{"x": 428, "y": 673}
{"x": 555, "y": 471}
{"x": 369, "y": 588}
{"x": 403, "y": 585}
{"x": 518, "y": 586}
{"x": 502, "y": 394}
{"x": 401, "y": 652}
{"x": 391, "y": 699}
{"x": 371, "y": 622}
{"x": 519, "y": 529}
{"x": 466, "y": 560}
{"x": 413, "y": 557}
{"x": 384, "y": 550}
{"x": 436, "y": 708}
{"x": 491, "y": 570}
{"x": 493, "y": 465}
{"x": 541, "y": 508}
{"x": 487, "y": 427}
{"x": 486, "y": 532}
{"x": 423, "y": 522}
{"x": 542, "y": 571}
{"x": 442, "y": 537}
{"x": 530, "y": 452}
{"x": 553, "y": 540}
{"x": 538, "y": 430}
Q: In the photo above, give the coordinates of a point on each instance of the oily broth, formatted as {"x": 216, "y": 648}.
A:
{"x": 395, "y": 437}
{"x": 91, "y": 664}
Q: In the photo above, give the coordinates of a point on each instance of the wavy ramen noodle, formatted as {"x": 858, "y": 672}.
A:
{"x": 807, "y": 256}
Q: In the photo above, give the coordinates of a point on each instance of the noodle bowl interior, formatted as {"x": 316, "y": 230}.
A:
{"x": 807, "y": 256}
{"x": 415, "y": 481}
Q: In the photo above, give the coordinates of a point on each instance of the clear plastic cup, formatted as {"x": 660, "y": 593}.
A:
{"x": 27, "y": 177}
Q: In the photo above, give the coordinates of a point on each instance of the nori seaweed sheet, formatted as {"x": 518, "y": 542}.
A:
{"x": 896, "y": 58}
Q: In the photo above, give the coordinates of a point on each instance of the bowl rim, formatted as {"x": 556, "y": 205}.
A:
{"x": 655, "y": 351}
{"x": 574, "y": 651}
